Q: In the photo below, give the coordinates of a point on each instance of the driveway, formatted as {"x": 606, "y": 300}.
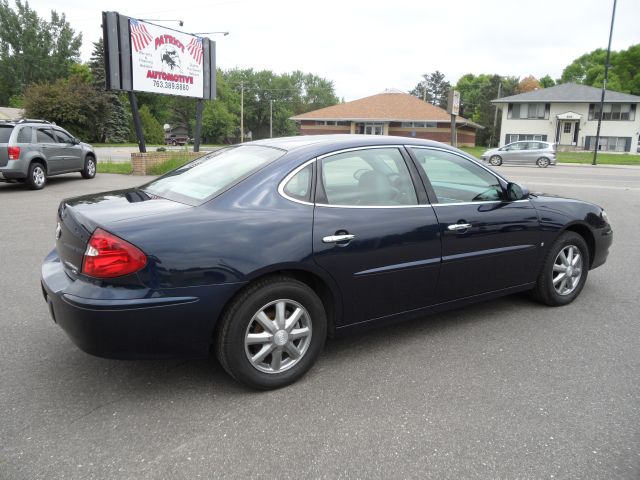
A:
{"x": 505, "y": 389}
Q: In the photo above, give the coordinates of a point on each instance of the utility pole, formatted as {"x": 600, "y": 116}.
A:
{"x": 271, "y": 118}
{"x": 495, "y": 117}
{"x": 241, "y": 112}
{"x": 604, "y": 86}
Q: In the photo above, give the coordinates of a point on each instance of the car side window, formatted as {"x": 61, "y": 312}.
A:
{"x": 299, "y": 186}
{"x": 455, "y": 179}
{"x": 45, "y": 135}
{"x": 63, "y": 137}
{"x": 368, "y": 177}
{"x": 25, "y": 135}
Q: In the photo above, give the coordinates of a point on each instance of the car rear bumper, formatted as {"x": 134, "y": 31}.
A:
{"x": 13, "y": 170}
{"x": 133, "y": 324}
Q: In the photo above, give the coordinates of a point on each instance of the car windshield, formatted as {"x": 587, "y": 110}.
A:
{"x": 202, "y": 179}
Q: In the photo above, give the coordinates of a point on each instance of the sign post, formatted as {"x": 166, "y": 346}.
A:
{"x": 453, "y": 107}
{"x": 144, "y": 57}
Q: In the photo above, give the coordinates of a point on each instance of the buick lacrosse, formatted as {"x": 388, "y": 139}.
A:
{"x": 260, "y": 251}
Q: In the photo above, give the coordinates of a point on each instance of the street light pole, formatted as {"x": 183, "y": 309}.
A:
{"x": 604, "y": 86}
{"x": 271, "y": 118}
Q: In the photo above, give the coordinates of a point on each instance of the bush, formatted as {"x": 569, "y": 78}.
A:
{"x": 169, "y": 164}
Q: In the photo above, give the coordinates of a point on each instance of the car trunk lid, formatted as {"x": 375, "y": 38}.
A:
{"x": 79, "y": 217}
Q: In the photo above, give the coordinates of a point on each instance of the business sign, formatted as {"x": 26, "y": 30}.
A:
{"x": 165, "y": 61}
{"x": 144, "y": 57}
{"x": 453, "y": 105}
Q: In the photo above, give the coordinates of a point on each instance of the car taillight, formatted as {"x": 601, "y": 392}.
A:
{"x": 14, "y": 153}
{"x": 108, "y": 256}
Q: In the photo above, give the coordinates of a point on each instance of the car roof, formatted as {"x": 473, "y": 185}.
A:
{"x": 341, "y": 141}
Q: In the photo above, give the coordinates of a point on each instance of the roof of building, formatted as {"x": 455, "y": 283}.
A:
{"x": 569, "y": 93}
{"x": 390, "y": 106}
{"x": 8, "y": 113}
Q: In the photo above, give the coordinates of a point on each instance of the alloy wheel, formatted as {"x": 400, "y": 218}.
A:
{"x": 38, "y": 176}
{"x": 278, "y": 336}
{"x": 567, "y": 270}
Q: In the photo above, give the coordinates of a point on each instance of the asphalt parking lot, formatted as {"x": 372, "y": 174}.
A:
{"x": 504, "y": 389}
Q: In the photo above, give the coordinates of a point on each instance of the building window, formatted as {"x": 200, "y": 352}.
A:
{"x": 528, "y": 111}
{"x": 332, "y": 123}
{"x": 609, "y": 144}
{"x": 566, "y": 128}
{"x": 517, "y": 137}
{"x": 613, "y": 111}
{"x": 419, "y": 124}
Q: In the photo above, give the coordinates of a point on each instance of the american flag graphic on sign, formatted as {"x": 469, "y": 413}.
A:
{"x": 195, "y": 49}
{"x": 140, "y": 37}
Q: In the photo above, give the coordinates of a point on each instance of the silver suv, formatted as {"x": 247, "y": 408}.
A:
{"x": 532, "y": 152}
{"x": 32, "y": 150}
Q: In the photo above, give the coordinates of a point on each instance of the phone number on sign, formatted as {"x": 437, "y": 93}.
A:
{"x": 170, "y": 85}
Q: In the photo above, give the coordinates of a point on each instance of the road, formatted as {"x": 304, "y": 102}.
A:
{"x": 504, "y": 389}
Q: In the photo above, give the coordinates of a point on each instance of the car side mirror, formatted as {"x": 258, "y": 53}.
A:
{"x": 516, "y": 192}
{"x": 75, "y": 141}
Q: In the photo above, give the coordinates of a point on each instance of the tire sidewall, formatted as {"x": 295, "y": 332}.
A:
{"x": 85, "y": 172}
{"x": 542, "y": 160}
{"x": 565, "y": 240}
{"x": 30, "y": 181}
{"x": 238, "y": 363}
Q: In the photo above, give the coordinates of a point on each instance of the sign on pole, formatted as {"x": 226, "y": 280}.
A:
{"x": 453, "y": 105}
{"x": 166, "y": 61}
{"x": 145, "y": 57}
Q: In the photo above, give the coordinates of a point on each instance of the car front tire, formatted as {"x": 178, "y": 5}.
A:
{"x": 564, "y": 271}
{"x": 90, "y": 167}
{"x": 495, "y": 160}
{"x": 272, "y": 333}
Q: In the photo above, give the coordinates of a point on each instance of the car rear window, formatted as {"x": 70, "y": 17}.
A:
{"x": 200, "y": 180}
{"x": 5, "y": 133}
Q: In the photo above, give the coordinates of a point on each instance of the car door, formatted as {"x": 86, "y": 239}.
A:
{"x": 72, "y": 150}
{"x": 488, "y": 243}
{"x": 51, "y": 149}
{"x": 374, "y": 233}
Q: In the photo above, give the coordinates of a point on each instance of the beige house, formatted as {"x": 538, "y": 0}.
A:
{"x": 390, "y": 113}
{"x": 567, "y": 114}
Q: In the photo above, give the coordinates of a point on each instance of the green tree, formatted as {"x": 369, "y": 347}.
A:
{"x": 433, "y": 89}
{"x": 33, "y": 50}
{"x": 112, "y": 125}
{"x": 547, "y": 81}
{"x": 291, "y": 93}
{"x": 70, "y": 103}
{"x": 476, "y": 93}
{"x": 153, "y": 131}
{"x": 624, "y": 70}
{"x": 218, "y": 124}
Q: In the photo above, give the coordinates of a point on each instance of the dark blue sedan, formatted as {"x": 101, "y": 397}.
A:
{"x": 262, "y": 250}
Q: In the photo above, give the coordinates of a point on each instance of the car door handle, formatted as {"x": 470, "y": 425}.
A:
{"x": 337, "y": 238}
{"x": 459, "y": 226}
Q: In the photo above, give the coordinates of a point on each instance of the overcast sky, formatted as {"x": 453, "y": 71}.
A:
{"x": 365, "y": 47}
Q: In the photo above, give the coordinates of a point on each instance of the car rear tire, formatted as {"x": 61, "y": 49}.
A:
{"x": 272, "y": 333}
{"x": 543, "y": 162}
{"x": 37, "y": 176}
{"x": 90, "y": 167}
{"x": 564, "y": 271}
{"x": 495, "y": 160}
